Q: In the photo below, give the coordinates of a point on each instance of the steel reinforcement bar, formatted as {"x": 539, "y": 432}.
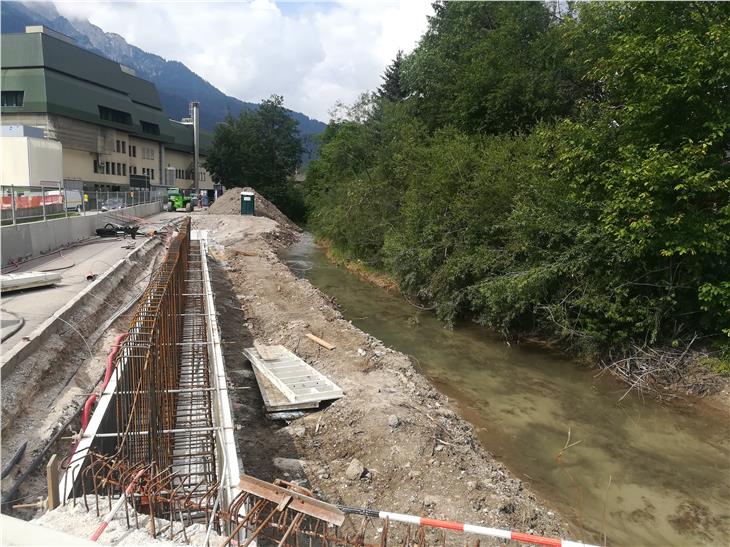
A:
{"x": 144, "y": 399}
{"x": 162, "y": 396}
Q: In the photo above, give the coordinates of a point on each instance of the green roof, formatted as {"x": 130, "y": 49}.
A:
{"x": 61, "y": 78}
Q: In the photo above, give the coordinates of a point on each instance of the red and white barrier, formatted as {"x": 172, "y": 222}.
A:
{"x": 117, "y": 505}
{"x": 468, "y": 528}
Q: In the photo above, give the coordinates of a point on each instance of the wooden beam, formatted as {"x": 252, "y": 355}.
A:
{"x": 52, "y": 480}
{"x": 299, "y": 502}
{"x": 319, "y": 341}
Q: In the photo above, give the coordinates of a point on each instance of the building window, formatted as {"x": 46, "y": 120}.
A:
{"x": 119, "y": 168}
{"x": 124, "y": 147}
{"x": 116, "y": 116}
{"x": 118, "y": 147}
{"x": 114, "y": 168}
{"x": 107, "y": 168}
{"x": 12, "y": 98}
{"x": 152, "y": 174}
{"x": 124, "y": 169}
{"x": 150, "y": 128}
{"x": 134, "y": 151}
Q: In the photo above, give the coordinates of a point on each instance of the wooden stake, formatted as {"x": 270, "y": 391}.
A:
{"x": 52, "y": 479}
{"x": 318, "y": 340}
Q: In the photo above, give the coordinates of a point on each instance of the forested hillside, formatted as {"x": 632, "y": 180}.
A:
{"x": 559, "y": 173}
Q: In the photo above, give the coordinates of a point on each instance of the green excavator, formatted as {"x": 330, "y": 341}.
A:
{"x": 176, "y": 200}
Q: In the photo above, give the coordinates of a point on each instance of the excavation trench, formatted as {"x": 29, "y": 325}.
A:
{"x": 163, "y": 422}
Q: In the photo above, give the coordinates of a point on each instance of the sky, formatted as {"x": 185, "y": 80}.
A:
{"x": 312, "y": 53}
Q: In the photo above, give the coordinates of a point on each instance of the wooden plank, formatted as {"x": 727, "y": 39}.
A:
{"x": 299, "y": 502}
{"x": 319, "y": 341}
{"x": 52, "y": 481}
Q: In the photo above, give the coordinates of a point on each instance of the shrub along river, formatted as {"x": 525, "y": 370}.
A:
{"x": 640, "y": 472}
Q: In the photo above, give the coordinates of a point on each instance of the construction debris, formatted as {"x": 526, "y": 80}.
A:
{"x": 318, "y": 340}
{"x": 297, "y": 381}
{"x": 28, "y": 280}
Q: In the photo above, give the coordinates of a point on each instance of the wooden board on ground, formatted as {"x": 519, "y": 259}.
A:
{"x": 288, "y": 383}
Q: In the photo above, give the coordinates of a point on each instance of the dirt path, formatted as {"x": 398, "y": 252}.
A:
{"x": 418, "y": 455}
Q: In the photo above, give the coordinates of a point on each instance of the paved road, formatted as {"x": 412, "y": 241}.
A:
{"x": 34, "y": 306}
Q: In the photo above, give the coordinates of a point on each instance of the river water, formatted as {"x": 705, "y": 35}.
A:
{"x": 641, "y": 473}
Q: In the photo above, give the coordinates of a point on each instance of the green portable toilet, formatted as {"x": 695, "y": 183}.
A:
{"x": 247, "y": 199}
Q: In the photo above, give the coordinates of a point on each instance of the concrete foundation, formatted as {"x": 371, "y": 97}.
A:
{"x": 23, "y": 241}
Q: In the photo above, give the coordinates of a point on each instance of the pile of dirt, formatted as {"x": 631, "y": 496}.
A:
{"x": 230, "y": 204}
{"x": 393, "y": 442}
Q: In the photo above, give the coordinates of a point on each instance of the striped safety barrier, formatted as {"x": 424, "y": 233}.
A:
{"x": 463, "y": 527}
{"x": 118, "y": 505}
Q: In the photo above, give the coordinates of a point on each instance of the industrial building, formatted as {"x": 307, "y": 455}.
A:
{"x": 112, "y": 130}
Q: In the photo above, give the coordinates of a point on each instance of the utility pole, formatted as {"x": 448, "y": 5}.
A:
{"x": 195, "y": 107}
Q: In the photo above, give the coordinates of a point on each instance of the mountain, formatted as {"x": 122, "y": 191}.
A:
{"x": 176, "y": 83}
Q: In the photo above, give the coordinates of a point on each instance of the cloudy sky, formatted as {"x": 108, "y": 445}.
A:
{"x": 313, "y": 53}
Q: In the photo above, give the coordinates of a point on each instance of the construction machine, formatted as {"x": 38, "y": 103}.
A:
{"x": 176, "y": 200}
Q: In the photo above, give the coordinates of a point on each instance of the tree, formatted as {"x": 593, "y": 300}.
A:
{"x": 392, "y": 88}
{"x": 261, "y": 149}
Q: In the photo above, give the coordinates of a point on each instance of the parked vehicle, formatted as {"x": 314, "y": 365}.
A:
{"x": 176, "y": 199}
{"x": 112, "y": 203}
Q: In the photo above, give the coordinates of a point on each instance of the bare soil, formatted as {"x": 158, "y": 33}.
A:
{"x": 418, "y": 455}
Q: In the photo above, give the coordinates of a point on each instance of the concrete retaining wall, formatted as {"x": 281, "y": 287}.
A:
{"x": 32, "y": 239}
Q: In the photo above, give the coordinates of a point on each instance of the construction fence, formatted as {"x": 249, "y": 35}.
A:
{"x": 19, "y": 204}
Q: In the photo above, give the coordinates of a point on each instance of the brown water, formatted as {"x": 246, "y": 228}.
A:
{"x": 642, "y": 474}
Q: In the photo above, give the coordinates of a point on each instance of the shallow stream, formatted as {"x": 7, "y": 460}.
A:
{"x": 640, "y": 472}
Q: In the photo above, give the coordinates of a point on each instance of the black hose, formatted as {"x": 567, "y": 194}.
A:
{"x": 21, "y": 322}
{"x": 18, "y": 454}
{"x": 9, "y": 496}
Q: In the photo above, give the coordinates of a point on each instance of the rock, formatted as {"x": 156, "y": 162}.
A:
{"x": 361, "y": 352}
{"x": 393, "y": 421}
{"x": 299, "y": 431}
{"x": 290, "y": 465}
{"x": 439, "y": 447}
{"x": 355, "y": 470}
{"x": 471, "y": 485}
{"x": 430, "y": 500}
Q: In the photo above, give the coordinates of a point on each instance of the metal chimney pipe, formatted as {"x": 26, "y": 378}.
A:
{"x": 195, "y": 106}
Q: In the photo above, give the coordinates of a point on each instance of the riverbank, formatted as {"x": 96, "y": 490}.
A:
{"x": 660, "y": 372}
{"x": 393, "y": 442}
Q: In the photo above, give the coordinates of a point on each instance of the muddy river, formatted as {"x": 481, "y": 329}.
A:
{"x": 635, "y": 472}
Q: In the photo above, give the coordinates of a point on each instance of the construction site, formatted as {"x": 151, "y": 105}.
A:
{"x": 185, "y": 387}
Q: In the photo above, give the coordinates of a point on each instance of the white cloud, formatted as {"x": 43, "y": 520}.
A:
{"x": 313, "y": 54}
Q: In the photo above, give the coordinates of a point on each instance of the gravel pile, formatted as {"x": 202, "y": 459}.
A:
{"x": 230, "y": 204}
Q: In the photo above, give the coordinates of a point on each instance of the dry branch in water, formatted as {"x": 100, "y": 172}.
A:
{"x": 664, "y": 372}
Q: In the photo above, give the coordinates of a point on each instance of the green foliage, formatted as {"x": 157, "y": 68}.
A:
{"x": 393, "y": 88}
{"x": 490, "y": 67}
{"x": 261, "y": 148}
{"x": 567, "y": 176}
